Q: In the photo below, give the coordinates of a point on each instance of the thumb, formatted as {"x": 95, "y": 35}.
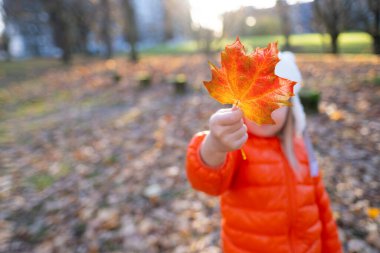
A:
{"x": 236, "y": 108}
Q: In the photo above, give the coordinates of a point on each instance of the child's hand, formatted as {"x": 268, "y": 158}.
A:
{"x": 228, "y": 130}
{"x": 227, "y": 133}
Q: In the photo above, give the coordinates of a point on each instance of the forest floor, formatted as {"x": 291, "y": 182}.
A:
{"x": 92, "y": 162}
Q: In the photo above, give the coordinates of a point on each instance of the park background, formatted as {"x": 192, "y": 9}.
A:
{"x": 99, "y": 99}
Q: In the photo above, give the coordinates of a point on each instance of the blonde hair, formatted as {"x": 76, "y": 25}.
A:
{"x": 295, "y": 121}
{"x": 287, "y": 134}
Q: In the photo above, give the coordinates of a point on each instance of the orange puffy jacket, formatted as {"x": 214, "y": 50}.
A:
{"x": 266, "y": 206}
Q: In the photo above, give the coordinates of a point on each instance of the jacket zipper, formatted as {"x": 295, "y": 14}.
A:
{"x": 292, "y": 204}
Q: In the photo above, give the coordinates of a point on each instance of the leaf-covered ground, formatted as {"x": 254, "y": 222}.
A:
{"x": 91, "y": 163}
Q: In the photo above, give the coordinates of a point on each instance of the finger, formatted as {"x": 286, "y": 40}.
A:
{"x": 221, "y": 130}
{"x": 237, "y": 134}
{"x": 227, "y": 110}
{"x": 242, "y": 141}
{"x": 233, "y": 108}
{"x": 229, "y": 118}
{"x": 233, "y": 128}
{"x": 223, "y": 110}
{"x": 236, "y": 143}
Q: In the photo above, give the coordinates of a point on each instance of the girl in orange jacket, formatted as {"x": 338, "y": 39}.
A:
{"x": 275, "y": 200}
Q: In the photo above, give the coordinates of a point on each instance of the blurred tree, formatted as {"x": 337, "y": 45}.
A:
{"x": 182, "y": 17}
{"x": 4, "y": 45}
{"x": 83, "y": 17}
{"x": 26, "y": 19}
{"x": 233, "y": 23}
{"x": 177, "y": 19}
{"x": 236, "y": 23}
{"x": 130, "y": 28}
{"x": 106, "y": 27}
{"x": 267, "y": 25}
{"x": 204, "y": 37}
{"x": 286, "y": 26}
{"x": 168, "y": 19}
{"x": 366, "y": 17}
{"x": 63, "y": 25}
{"x": 67, "y": 22}
{"x": 333, "y": 15}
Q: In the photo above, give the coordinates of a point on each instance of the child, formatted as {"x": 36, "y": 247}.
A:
{"x": 274, "y": 201}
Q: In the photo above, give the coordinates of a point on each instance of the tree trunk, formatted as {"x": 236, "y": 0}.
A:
{"x": 65, "y": 43}
{"x": 287, "y": 43}
{"x": 6, "y": 46}
{"x": 63, "y": 39}
{"x": 133, "y": 54}
{"x": 83, "y": 40}
{"x": 66, "y": 55}
{"x": 283, "y": 10}
{"x": 83, "y": 28}
{"x": 376, "y": 29}
{"x": 131, "y": 29}
{"x": 376, "y": 44}
{"x": 334, "y": 43}
{"x": 168, "y": 20}
{"x": 62, "y": 28}
{"x": 106, "y": 28}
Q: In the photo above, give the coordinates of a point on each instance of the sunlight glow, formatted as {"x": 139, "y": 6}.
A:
{"x": 2, "y": 26}
{"x": 207, "y": 13}
{"x": 250, "y": 21}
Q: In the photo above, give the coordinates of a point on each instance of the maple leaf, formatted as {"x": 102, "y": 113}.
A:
{"x": 249, "y": 81}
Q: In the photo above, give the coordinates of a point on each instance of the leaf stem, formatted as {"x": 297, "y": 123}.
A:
{"x": 241, "y": 150}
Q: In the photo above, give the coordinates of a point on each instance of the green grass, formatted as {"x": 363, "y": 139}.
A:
{"x": 32, "y": 107}
{"x": 352, "y": 43}
{"x": 21, "y": 69}
{"x": 41, "y": 181}
{"x": 185, "y": 47}
{"x": 4, "y": 135}
{"x": 376, "y": 80}
{"x": 349, "y": 43}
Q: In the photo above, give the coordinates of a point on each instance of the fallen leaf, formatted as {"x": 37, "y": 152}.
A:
{"x": 373, "y": 212}
{"x": 108, "y": 218}
{"x": 153, "y": 192}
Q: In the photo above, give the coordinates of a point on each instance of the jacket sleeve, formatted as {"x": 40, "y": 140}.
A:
{"x": 211, "y": 180}
{"x": 330, "y": 238}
